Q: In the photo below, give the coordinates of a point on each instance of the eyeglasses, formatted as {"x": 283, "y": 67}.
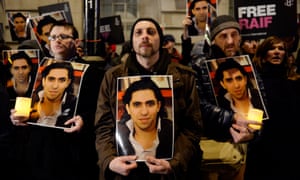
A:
{"x": 59, "y": 37}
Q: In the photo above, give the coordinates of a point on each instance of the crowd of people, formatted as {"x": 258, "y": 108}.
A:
{"x": 88, "y": 147}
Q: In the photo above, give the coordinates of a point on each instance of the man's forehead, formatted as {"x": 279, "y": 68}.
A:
{"x": 19, "y": 61}
{"x": 62, "y": 71}
{"x": 228, "y": 31}
{"x": 144, "y": 25}
{"x": 232, "y": 71}
{"x": 18, "y": 19}
{"x": 61, "y": 28}
{"x": 201, "y": 4}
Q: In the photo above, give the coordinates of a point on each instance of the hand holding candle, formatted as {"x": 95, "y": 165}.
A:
{"x": 23, "y": 106}
{"x": 256, "y": 115}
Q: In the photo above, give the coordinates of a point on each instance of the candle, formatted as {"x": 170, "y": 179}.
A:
{"x": 256, "y": 115}
{"x": 23, "y": 106}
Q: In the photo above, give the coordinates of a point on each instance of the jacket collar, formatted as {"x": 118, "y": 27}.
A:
{"x": 159, "y": 68}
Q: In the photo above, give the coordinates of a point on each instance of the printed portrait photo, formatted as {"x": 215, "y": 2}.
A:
{"x": 235, "y": 85}
{"x": 145, "y": 120}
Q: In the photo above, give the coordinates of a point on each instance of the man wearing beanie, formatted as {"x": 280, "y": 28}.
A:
{"x": 148, "y": 57}
{"x": 225, "y": 34}
{"x": 218, "y": 122}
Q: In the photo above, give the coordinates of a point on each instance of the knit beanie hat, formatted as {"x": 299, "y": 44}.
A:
{"x": 158, "y": 28}
{"x": 222, "y": 22}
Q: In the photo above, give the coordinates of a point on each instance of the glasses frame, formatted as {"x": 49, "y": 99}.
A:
{"x": 60, "y": 37}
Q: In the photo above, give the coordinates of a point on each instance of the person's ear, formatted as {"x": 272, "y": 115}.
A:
{"x": 159, "y": 105}
{"x": 69, "y": 82}
{"x": 77, "y": 42}
{"x": 127, "y": 108}
{"x": 222, "y": 84}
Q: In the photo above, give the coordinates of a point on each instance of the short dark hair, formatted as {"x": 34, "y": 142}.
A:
{"x": 192, "y": 5}
{"x": 18, "y": 15}
{"x": 144, "y": 84}
{"x": 67, "y": 26}
{"x": 21, "y": 55}
{"x": 43, "y": 22}
{"x": 61, "y": 65}
{"x": 229, "y": 63}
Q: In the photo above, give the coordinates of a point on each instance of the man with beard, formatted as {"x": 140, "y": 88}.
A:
{"x": 148, "y": 57}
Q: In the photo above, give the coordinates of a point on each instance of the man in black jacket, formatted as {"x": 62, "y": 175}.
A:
{"x": 219, "y": 123}
{"x": 69, "y": 153}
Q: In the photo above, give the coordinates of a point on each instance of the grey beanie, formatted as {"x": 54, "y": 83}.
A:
{"x": 223, "y": 22}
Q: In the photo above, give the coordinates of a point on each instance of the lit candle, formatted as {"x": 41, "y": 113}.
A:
{"x": 255, "y": 115}
{"x": 23, "y": 106}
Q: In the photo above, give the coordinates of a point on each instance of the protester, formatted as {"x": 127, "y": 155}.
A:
{"x": 169, "y": 43}
{"x": 112, "y": 58}
{"x": 6, "y": 163}
{"x": 4, "y": 72}
{"x": 68, "y": 153}
{"x": 221, "y": 124}
{"x": 43, "y": 32}
{"x": 125, "y": 51}
{"x": 274, "y": 154}
{"x": 249, "y": 46}
{"x": 149, "y": 58}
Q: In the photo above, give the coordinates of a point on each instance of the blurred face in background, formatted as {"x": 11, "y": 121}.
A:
{"x": 45, "y": 33}
{"x": 276, "y": 54}
{"x": 249, "y": 46}
{"x": 169, "y": 45}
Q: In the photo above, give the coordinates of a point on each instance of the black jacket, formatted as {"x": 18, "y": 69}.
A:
{"x": 276, "y": 149}
{"x": 216, "y": 120}
{"x": 54, "y": 154}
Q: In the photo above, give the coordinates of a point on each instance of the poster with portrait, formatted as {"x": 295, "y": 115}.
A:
{"x": 145, "y": 116}
{"x": 202, "y": 13}
{"x": 21, "y": 68}
{"x": 41, "y": 26}
{"x": 55, "y": 93}
{"x": 64, "y": 6}
{"x": 235, "y": 85}
{"x": 18, "y": 25}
